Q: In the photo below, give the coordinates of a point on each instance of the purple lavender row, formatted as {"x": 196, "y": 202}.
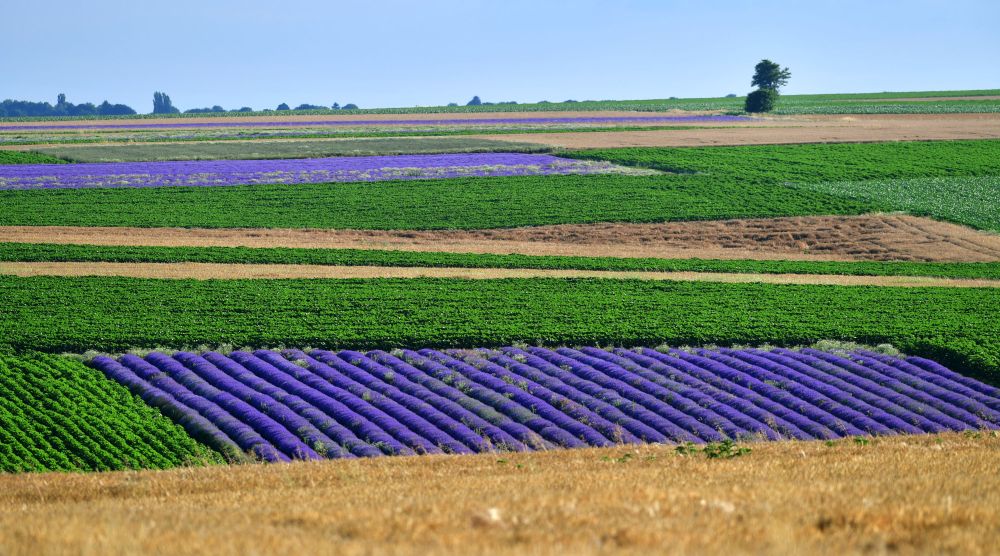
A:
{"x": 207, "y": 173}
{"x": 193, "y": 422}
{"x": 444, "y": 121}
{"x": 508, "y": 427}
{"x": 293, "y": 405}
{"x": 565, "y": 418}
{"x": 393, "y": 401}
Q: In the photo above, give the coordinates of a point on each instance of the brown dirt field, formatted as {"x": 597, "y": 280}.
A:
{"x": 835, "y": 238}
{"x": 368, "y": 118}
{"x": 927, "y": 494}
{"x": 220, "y": 271}
{"x": 819, "y": 129}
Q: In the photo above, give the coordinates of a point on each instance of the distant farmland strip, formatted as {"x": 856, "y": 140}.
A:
{"x": 28, "y": 252}
{"x": 56, "y": 414}
{"x": 17, "y": 157}
{"x": 957, "y": 327}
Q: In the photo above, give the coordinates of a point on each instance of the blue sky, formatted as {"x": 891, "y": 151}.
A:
{"x": 431, "y": 52}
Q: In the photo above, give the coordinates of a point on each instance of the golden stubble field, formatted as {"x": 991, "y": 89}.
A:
{"x": 925, "y": 494}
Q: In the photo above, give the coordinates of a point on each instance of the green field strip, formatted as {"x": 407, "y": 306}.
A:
{"x": 958, "y": 327}
{"x": 57, "y": 414}
{"x": 18, "y": 157}
{"x": 48, "y": 252}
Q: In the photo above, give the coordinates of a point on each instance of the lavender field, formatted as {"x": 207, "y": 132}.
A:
{"x": 280, "y": 406}
{"x": 298, "y": 171}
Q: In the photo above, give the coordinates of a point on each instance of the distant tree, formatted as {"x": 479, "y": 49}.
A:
{"x": 243, "y": 109}
{"x": 761, "y": 100}
{"x": 349, "y": 106}
{"x": 474, "y": 102}
{"x": 283, "y": 106}
{"x": 336, "y": 106}
{"x": 218, "y": 108}
{"x": 61, "y": 99}
{"x": 310, "y": 107}
{"x": 569, "y": 101}
{"x": 544, "y": 102}
{"x": 162, "y": 104}
{"x": 768, "y": 75}
{"x": 731, "y": 95}
{"x": 108, "y": 109}
{"x": 452, "y": 104}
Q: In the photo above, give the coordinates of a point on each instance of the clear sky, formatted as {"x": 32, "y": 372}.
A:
{"x": 431, "y": 52}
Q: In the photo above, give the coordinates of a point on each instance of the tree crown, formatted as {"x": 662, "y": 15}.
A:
{"x": 768, "y": 75}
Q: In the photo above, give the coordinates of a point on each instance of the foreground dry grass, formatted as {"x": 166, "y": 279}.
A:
{"x": 927, "y": 494}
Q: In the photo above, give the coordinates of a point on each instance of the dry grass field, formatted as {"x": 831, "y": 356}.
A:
{"x": 909, "y": 494}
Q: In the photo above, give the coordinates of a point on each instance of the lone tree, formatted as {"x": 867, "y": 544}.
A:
{"x": 767, "y": 77}
{"x": 474, "y": 102}
{"x": 162, "y": 104}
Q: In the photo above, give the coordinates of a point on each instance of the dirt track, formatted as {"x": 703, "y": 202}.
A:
{"x": 844, "y": 238}
{"x": 800, "y": 129}
{"x": 214, "y": 271}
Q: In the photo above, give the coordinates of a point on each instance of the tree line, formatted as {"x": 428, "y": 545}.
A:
{"x": 23, "y": 108}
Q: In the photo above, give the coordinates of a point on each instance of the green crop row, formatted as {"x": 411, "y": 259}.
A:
{"x": 43, "y": 252}
{"x": 459, "y": 203}
{"x": 56, "y": 414}
{"x": 957, "y": 326}
{"x": 17, "y": 157}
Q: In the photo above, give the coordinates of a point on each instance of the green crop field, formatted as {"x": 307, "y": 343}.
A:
{"x": 56, "y": 414}
{"x": 29, "y": 252}
{"x": 712, "y": 183}
{"x": 114, "y": 314}
{"x": 968, "y": 200}
{"x": 16, "y": 157}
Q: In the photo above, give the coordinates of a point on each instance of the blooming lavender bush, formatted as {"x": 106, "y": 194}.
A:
{"x": 293, "y": 404}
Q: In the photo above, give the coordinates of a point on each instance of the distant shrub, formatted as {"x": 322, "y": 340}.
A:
{"x": 349, "y": 106}
{"x": 283, "y": 106}
{"x": 474, "y": 102}
{"x": 452, "y": 104}
{"x": 731, "y": 95}
{"x": 308, "y": 107}
{"x": 761, "y": 100}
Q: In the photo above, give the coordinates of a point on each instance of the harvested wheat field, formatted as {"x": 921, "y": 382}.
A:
{"x": 906, "y": 494}
{"x": 792, "y": 129}
{"x": 843, "y": 238}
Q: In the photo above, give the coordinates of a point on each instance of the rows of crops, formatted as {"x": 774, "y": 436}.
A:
{"x": 47, "y": 252}
{"x": 321, "y": 404}
{"x": 58, "y": 414}
{"x": 714, "y": 183}
{"x": 957, "y": 327}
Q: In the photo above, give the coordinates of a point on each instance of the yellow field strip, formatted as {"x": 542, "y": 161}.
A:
{"x": 927, "y": 494}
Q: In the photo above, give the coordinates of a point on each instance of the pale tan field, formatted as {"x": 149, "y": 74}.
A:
{"x": 838, "y": 238}
{"x": 796, "y": 129}
{"x": 933, "y": 494}
{"x": 219, "y": 271}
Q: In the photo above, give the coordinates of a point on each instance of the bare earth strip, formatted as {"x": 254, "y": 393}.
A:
{"x": 224, "y": 271}
{"x": 834, "y": 238}
{"x": 806, "y": 129}
{"x": 929, "y": 494}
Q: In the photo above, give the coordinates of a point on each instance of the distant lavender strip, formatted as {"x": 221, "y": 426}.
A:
{"x": 444, "y": 121}
{"x": 291, "y": 171}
